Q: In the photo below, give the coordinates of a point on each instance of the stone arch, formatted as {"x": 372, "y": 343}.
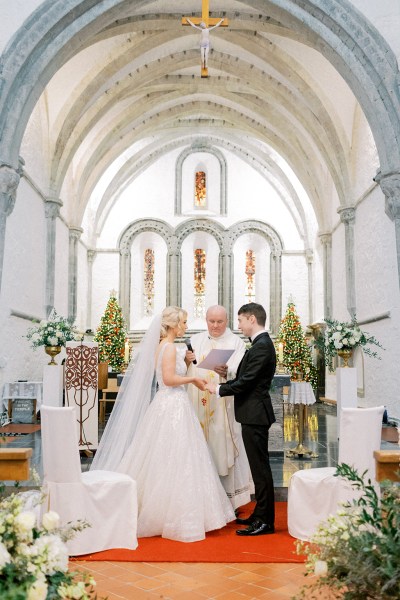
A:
{"x": 124, "y": 245}
{"x": 201, "y": 146}
{"x": 275, "y": 243}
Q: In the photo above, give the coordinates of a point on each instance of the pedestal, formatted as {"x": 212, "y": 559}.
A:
{"x": 81, "y": 379}
{"x": 346, "y": 390}
{"x": 53, "y": 385}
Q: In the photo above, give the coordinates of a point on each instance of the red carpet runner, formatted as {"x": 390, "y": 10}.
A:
{"x": 222, "y": 546}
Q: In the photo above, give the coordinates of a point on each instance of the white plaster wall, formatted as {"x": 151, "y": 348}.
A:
{"x": 105, "y": 279}
{"x": 295, "y": 285}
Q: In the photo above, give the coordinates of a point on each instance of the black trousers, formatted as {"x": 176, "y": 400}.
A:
{"x": 255, "y": 439}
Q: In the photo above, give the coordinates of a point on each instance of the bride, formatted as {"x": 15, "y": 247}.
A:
{"x": 159, "y": 442}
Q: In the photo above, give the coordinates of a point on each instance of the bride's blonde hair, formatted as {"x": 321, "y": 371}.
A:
{"x": 170, "y": 318}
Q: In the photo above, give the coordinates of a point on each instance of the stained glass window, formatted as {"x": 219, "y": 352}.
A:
{"x": 199, "y": 283}
{"x": 200, "y": 190}
{"x": 250, "y": 270}
{"x": 148, "y": 287}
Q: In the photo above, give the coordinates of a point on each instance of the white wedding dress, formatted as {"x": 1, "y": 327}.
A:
{"x": 180, "y": 496}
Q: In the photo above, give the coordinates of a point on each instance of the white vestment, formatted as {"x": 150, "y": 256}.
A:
{"x": 217, "y": 418}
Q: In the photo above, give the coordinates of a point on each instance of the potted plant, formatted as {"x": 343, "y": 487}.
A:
{"x": 52, "y": 334}
{"x": 356, "y": 553}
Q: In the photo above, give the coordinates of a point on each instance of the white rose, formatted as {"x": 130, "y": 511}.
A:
{"x": 5, "y": 557}
{"x": 345, "y": 536}
{"x": 38, "y": 591}
{"x": 51, "y": 520}
{"x": 320, "y": 568}
{"x": 59, "y": 334}
{"x": 338, "y": 345}
{"x": 352, "y": 341}
{"x": 53, "y": 341}
{"x": 345, "y": 342}
{"x": 25, "y": 521}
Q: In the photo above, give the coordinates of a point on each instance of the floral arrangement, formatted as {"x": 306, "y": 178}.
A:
{"x": 356, "y": 553}
{"x": 345, "y": 336}
{"x": 34, "y": 560}
{"x": 54, "y": 332}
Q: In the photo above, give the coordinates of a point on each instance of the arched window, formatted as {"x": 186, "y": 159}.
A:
{"x": 199, "y": 283}
{"x": 250, "y": 292}
{"x": 200, "y": 190}
{"x": 148, "y": 283}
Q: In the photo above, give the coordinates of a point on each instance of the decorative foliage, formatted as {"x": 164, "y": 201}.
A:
{"x": 356, "y": 553}
{"x": 34, "y": 559}
{"x": 344, "y": 336}
{"x": 111, "y": 335}
{"x": 296, "y": 352}
{"x": 54, "y": 332}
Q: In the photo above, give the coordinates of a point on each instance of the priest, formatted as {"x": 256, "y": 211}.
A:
{"x": 216, "y": 415}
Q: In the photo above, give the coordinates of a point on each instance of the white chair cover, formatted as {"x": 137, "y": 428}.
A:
{"x": 314, "y": 494}
{"x": 107, "y": 500}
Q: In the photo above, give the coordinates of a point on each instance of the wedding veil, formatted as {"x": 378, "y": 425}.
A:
{"x": 134, "y": 396}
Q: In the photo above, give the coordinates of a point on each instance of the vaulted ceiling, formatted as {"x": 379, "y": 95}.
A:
{"x": 131, "y": 90}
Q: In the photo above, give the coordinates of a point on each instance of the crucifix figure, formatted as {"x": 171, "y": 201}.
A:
{"x": 204, "y": 24}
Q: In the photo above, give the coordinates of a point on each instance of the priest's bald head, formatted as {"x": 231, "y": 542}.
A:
{"x": 217, "y": 320}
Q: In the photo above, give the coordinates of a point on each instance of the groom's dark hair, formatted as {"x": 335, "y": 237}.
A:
{"x": 252, "y": 308}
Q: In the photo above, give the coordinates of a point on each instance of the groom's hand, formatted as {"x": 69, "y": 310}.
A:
{"x": 221, "y": 370}
{"x": 211, "y": 387}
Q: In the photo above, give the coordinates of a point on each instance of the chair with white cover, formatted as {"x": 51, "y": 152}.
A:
{"x": 314, "y": 494}
{"x": 107, "y": 500}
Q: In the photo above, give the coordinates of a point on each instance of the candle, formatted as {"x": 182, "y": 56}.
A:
{"x": 126, "y": 356}
{"x": 280, "y": 351}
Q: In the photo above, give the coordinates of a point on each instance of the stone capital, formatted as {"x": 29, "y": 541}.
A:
{"x": 347, "y": 215}
{"x": 52, "y": 208}
{"x": 9, "y": 180}
{"x": 326, "y": 238}
{"x": 75, "y": 233}
{"x": 309, "y": 255}
{"x": 390, "y": 186}
{"x": 91, "y": 255}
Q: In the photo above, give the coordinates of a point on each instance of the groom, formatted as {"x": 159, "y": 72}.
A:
{"x": 253, "y": 409}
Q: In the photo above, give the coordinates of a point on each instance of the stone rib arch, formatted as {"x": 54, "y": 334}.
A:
{"x": 201, "y": 146}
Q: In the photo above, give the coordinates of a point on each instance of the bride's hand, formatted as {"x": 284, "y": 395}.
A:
{"x": 200, "y": 383}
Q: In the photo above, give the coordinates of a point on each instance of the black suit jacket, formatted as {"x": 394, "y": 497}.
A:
{"x": 250, "y": 387}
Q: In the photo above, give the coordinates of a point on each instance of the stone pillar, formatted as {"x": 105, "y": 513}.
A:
{"x": 9, "y": 180}
{"x": 74, "y": 236}
{"x": 326, "y": 241}
{"x": 310, "y": 260}
{"x": 390, "y": 185}
{"x": 125, "y": 282}
{"x": 91, "y": 255}
{"x": 275, "y": 291}
{"x": 52, "y": 211}
{"x": 348, "y": 217}
{"x": 174, "y": 274}
{"x": 225, "y": 290}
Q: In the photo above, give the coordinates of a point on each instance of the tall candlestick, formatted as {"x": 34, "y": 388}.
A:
{"x": 126, "y": 356}
{"x": 280, "y": 352}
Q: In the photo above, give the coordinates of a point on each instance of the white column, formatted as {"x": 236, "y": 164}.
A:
{"x": 348, "y": 217}
{"x": 390, "y": 185}
{"x": 346, "y": 390}
{"x": 52, "y": 210}
{"x": 53, "y": 385}
{"x": 9, "y": 180}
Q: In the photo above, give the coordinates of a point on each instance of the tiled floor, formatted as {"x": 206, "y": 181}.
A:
{"x": 228, "y": 581}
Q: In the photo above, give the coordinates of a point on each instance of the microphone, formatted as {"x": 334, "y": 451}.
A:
{"x": 189, "y": 347}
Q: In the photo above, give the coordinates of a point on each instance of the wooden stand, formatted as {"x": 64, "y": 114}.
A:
{"x": 14, "y": 464}
{"x": 387, "y": 463}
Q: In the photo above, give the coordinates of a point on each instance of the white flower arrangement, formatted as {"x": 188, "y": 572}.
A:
{"x": 345, "y": 336}
{"x": 54, "y": 332}
{"x": 34, "y": 559}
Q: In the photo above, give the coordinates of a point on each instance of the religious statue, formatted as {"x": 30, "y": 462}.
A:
{"x": 204, "y": 40}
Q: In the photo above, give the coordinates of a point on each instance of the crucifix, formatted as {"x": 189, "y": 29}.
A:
{"x": 204, "y": 24}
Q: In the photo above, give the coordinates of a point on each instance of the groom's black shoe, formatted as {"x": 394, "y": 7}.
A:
{"x": 256, "y": 528}
{"x": 247, "y": 521}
